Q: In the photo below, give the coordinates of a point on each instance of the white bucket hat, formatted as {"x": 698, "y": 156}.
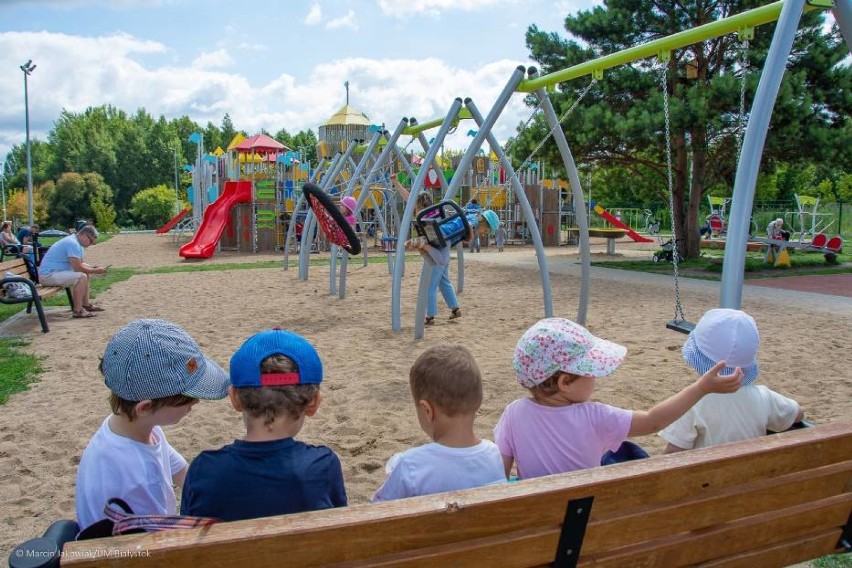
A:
{"x": 726, "y": 335}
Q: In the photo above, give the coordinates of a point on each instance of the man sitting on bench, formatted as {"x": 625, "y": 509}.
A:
{"x": 63, "y": 266}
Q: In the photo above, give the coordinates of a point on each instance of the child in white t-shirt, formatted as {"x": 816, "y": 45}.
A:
{"x": 156, "y": 373}
{"x": 730, "y": 335}
{"x": 447, "y": 388}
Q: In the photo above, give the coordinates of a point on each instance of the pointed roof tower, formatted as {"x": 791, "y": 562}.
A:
{"x": 345, "y": 125}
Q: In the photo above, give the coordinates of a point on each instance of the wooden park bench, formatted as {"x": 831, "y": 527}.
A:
{"x": 18, "y": 267}
{"x": 772, "y": 501}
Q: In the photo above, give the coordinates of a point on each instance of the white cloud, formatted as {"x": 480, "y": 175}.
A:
{"x": 314, "y": 15}
{"x": 347, "y": 21}
{"x": 214, "y": 60}
{"x": 75, "y": 73}
{"x": 434, "y": 8}
{"x": 246, "y": 46}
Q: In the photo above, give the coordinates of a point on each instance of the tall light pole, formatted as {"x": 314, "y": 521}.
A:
{"x": 3, "y": 188}
{"x": 28, "y": 68}
{"x": 177, "y": 185}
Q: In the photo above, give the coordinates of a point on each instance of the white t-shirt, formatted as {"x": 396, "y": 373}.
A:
{"x": 719, "y": 418}
{"x": 434, "y": 468}
{"x": 115, "y": 466}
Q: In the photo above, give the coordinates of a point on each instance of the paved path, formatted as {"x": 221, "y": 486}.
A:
{"x": 823, "y": 295}
{"x": 831, "y": 284}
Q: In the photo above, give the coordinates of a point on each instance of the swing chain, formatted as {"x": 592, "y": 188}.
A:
{"x": 552, "y": 130}
{"x": 678, "y": 316}
{"x": 742, "y": 119}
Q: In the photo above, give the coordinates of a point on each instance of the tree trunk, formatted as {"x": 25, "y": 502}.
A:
{"x": 679, "y": 205}
{"x": 698, "y": 140}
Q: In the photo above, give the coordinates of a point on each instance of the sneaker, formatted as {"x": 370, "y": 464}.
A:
{"x": 456, "y": 313}
{"x": 430, "y": 320}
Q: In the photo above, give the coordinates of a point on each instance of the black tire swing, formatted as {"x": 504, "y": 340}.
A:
{"x": 334, "y": 226}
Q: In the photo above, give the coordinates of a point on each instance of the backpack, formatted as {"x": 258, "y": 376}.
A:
{"x": 121, "y": 520}
{"x": 16, "y": 289}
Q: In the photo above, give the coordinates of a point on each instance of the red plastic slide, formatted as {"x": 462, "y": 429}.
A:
{"x": 175, "y": 220}
{"x": 215, "y": 218}
{"x": 616, "y": 223}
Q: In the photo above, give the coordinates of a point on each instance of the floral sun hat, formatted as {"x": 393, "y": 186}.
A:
{"x": 558, "y": 344}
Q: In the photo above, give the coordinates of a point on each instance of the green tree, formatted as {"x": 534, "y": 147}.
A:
{"x": 621, "y": 121}
{"x": 72, "y": 196}
{"x": 104, "y": 216}
{"x": 154, "y": 206}
{"x": 41, "y": 158}
{"x": 227, "y": 130}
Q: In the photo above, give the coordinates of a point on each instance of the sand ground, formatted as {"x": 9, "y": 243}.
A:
{"x": 367, "y": 414}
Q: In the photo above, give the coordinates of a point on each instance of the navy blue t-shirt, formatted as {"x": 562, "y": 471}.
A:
{"x": 247, "y": 480}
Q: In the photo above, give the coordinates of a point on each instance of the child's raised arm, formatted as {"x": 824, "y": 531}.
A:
{"x": 666, "y": 412}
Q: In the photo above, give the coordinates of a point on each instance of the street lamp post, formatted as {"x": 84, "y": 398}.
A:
{"x": 177, "y": 184}
{"x": 3, "y": 188}
{"x": 28, "y": 68}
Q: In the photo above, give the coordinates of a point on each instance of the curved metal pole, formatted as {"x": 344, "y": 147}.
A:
{"x": 442, "y": 181}
{"x": 383, "y": 157}
{"x": 577, "y": 192}
{"x": 525, "y": 206}
{"x": 310, "y": 221}
{"x": 733, "y": 266}
{"x": 416, "y": 186}
{"x": 350, "y": 188}
{"x": 291, "y": 230}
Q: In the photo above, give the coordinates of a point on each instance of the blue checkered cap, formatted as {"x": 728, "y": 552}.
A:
{"x": 245, "y": 364}
{"x": 153, "y": 358}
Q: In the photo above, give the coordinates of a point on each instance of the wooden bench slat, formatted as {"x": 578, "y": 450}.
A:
{"x": 728, "y": 538}
{"x": 756, "y": 498}
{"x": 782, "y": 554}
{"x": 526, "y": 517}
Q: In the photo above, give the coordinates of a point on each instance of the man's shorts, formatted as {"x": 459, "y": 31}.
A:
{"x": 65, "y": 278}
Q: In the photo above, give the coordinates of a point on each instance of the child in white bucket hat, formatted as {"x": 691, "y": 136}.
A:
{"x": 732, "y": 336}
{"x": 558, "y": 429}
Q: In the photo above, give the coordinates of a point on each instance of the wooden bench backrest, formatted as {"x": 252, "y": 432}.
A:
{"x": 17, "y": 267}
{"x": 775, "y": 500}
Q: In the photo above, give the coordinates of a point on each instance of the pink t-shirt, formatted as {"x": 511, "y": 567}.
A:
{"x": 544, "y": 440}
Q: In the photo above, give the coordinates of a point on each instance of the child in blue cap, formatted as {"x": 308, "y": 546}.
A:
{"x": 275, "y": 384}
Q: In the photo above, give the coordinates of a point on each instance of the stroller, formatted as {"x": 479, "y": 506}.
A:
{"x": 667, "y": 252}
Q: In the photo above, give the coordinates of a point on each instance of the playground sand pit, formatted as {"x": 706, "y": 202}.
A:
{"x": 367, "y": 414}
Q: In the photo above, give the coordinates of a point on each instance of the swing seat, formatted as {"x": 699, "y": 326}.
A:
{"x": 682, "y": 326}
{"x": 444, "y": 224}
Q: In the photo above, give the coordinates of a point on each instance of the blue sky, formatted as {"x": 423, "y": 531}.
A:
{"x": 275, "y": 64}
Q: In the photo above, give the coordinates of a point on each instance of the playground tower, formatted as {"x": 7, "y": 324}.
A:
{"x": 345, "y": 125}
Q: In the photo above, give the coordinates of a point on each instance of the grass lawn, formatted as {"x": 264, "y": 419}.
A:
{"x": 709, "y": 266}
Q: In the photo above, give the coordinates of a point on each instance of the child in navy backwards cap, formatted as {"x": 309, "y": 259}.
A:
{"x": 724, "y": 334}
{"x": 155, "y": 373}
{"x": 275, "y": 384}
